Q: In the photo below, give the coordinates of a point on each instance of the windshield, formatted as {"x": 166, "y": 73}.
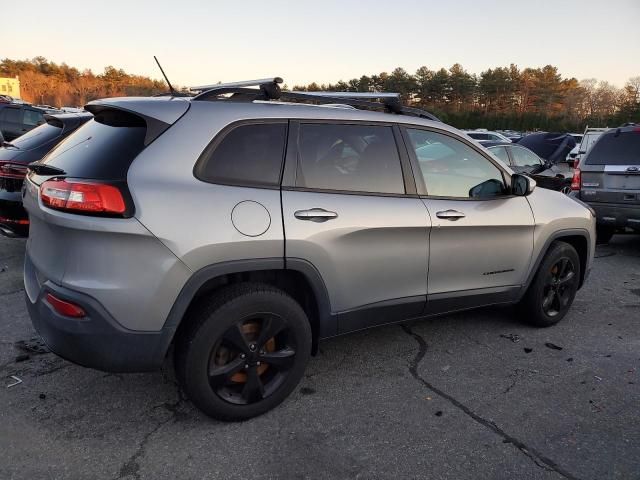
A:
{"x": 37, "y": 137}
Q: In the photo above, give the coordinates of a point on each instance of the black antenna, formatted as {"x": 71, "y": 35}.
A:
{"x": 171, "y": 89}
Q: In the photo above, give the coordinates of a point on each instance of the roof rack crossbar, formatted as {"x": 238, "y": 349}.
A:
{"x": 270, "y": 90}
{"x": 243, "y": 83}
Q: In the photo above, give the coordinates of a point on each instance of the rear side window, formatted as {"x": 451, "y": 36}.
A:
{"x": 37, "y": 137}
{"x": 32, "y": 117}
{"x": 103, "y": 148}
{"x": 357, "y": 158}
{"x": 612, "y": 149}
{"x": 247, "y": 155}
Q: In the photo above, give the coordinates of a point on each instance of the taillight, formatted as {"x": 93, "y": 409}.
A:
{"x": 83, "y": 197}
{"x": 15, "y": 171}
{"x": 65, "y": 308}
{"x": 576, "y": 181}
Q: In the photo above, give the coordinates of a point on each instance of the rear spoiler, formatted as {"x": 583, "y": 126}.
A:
{"x": 67, "y": 121}
{"x": 158, "y": 113}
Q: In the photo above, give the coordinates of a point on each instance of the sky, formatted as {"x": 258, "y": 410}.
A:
{"x": 201, "y": 42}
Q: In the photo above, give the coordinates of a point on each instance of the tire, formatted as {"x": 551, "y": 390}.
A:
{"x": 554, "y": 286}
{"x": 604, "y": 233}
{"x": 258, "y": 321}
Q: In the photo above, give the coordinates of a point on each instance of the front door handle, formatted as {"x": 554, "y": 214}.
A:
{"x": 452, "y": 215}
{"x": 315, "y": 215}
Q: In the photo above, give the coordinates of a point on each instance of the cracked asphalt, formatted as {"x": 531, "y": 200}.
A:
{"x": 465, "y": 396}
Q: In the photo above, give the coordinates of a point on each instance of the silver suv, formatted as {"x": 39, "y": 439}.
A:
{"x": 239, "y": 227}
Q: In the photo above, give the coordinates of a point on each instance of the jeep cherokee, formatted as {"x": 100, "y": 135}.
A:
{"x": 240, "y": 231}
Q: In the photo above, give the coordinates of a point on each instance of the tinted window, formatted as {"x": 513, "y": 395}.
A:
{"x": 12, "y": 115}
{"x": 31, "y": 117}
{"x": 103, "y": 148}
{"x": 478, "y": 136}
{"x": 623, "y": 149}
{"x": 461, "y": 173}
{"x": 501, "y": 153}
{"x": 524, "y": 158}
{"x": 249, "y": 154}
{"x": 37, "y": 137}
{"x": 359, "y": 158}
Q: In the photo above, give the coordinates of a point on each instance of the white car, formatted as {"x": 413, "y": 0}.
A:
{"x": 487, "y": 135}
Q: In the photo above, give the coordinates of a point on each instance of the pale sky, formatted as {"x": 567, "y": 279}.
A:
{"x": 200, "y": 42}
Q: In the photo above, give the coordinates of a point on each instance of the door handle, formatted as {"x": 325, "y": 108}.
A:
{"x": 315, "y": 215}
{"x": 452, "y": 215}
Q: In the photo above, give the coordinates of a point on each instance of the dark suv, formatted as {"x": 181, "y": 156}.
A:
{"x": 14, "y": 158}
{"x": 609, "y": 181}
{"x": 18, "y": 118}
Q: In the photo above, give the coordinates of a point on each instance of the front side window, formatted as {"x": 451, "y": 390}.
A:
{"x": 248, "y": 155}
{"x": 524, "y": 158}
{"x": 357, "y": 158}
{"x": 451, "y": 168}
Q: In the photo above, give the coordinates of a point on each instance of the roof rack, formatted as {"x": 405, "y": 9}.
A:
{"x": 269, "y": 89}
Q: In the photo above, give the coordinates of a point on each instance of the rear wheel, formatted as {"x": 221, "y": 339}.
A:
{"x": 554, "y": 286}
{"x": 604, "y": 233}
{"x": 244, "y": 351}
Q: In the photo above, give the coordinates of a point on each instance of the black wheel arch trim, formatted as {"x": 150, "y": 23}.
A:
{"x": 326, "y": 323}
{"x": 559, "y": 235}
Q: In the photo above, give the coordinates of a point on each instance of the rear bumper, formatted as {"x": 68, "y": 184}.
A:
{"x": 14, "y": 220}
{"x": 617, "y": 215}
{"x": 95, "y": 341}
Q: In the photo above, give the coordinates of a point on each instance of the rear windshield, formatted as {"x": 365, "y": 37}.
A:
{"x": 103, "y": 148}
{"x": 37, "y": 137}
{"x": 612, "y": 149}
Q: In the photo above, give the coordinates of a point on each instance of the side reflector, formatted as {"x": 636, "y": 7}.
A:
{"x": 65, "y": 308}
{"x": 81, "y": 196}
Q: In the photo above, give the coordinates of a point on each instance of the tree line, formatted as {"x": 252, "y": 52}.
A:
{"x": 497, "y": 98}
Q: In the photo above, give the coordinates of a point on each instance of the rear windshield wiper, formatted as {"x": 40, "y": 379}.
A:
{"x": 44, "y": 169}
{"x": 9, "y": 144}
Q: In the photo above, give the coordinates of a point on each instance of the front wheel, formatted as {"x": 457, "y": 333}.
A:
{"x": 243, "y": 352}
{"x": 554, "y": 286}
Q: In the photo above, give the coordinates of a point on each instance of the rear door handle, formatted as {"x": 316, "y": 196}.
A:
{"x": 315, "y": 215}
{"x": 452, "y": 215}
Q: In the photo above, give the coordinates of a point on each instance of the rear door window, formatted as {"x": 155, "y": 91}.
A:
{"x": 12, "y": 115}
{"x": 524, "y": 158}
{"x": 248, "y": 155}
{"x": 356, "y": 158}
{"x": 612, "y": 149}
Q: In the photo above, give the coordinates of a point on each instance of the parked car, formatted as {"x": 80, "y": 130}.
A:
{"x": 609, "y": 180}
{"x": 590, "y": 137}
{"x": 522, "y": 160}
{"x": 14, "y": 158}
{"x": 488, "y": 136}
{"x": 243, "y": 232}
{"x": 16, "y": 119}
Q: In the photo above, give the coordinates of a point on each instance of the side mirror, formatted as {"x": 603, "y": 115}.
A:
{"x": 521, "y": 185}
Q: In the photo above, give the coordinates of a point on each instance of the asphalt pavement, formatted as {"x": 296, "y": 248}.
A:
{"x": 475, "y": 395}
